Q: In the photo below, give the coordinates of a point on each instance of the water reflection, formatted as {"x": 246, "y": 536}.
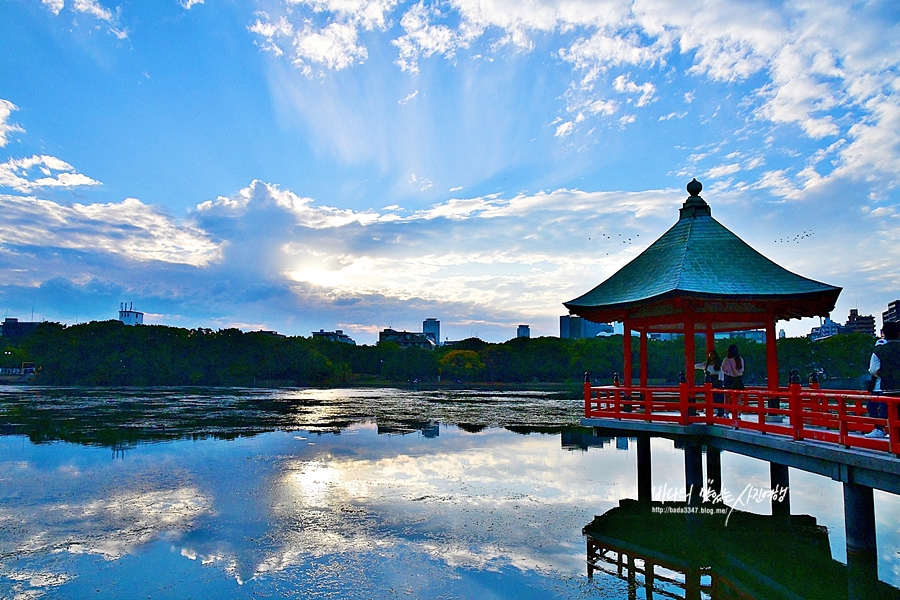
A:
{"x": 661, "y": 552}
{"x": 314, "y": 494}
{"x": 123, "y": 418}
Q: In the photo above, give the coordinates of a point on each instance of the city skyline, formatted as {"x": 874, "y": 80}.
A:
{"x": 361, "y": 165}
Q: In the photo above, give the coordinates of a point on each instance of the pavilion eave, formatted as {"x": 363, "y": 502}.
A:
{"x": 668, "y": 312}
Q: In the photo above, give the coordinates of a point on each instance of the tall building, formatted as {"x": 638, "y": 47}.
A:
{"x": 523, "y": 331}
{"x": 576, "y": 328}
{"x": 432, "y": 329}
{"x": 857, "y": 323}
{"x": 892, "y": 314}
{"x": 128, "y": 315}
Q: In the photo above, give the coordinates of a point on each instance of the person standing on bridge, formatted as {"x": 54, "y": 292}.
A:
{"x": 885, "y": 365}
{"x": 712, "y": 371}
{"x": 733, "y": 371}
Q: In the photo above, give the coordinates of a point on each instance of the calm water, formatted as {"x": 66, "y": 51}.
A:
{"x": 334, "y": 494}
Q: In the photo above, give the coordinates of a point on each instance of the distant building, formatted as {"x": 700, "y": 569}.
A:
{"x": 892, "y": 314}
{"x": 13, "y": 330}
{"x": 781, "y": 334}
{"x": 523, "y": 331}
{"x": 576, "y": 328}
{"x": 271, "y": 333}
{"x": 663, "y": 337}
{"x": 857, "y": 323}
{"x": 406, "y": 339}
{"x": 333, "y": 336}
{"x": 128, "y": 315}
{"x": 826, "y": 328}
{"x": 754, "y": 335}
{"x": 432, "y": 329}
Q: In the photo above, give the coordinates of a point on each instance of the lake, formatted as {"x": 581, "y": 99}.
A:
{"x": 357, "y": 493}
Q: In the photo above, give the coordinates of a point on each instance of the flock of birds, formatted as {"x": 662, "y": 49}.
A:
{"x": 796, "y": 239}
{"x": 786, "y": 240}
{"x": 610, "y": 238}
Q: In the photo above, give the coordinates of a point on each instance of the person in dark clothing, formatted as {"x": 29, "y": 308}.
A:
{"x": 885, "y": 365}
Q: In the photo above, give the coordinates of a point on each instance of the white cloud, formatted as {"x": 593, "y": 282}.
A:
{"x": 93, "y": 8}
{"x": 6, "y": 128}
{"x": 129, "y": 229}
{"x": 54, "y": 5}
{"x": 646, "y": 90}
{"x": 723, "y": 170}
{"x": 18, "y": 174}
{"x": 603, "y": 51}
{"x": 408, "y": 98}
{"x": 188, "y": 4}
{"x": 423, "y": 39}
{"x": 602, "y": 107}
{"x": 564, "y": 129}
{"x": 334, "y": 46}
{"x": 272, "y": 33}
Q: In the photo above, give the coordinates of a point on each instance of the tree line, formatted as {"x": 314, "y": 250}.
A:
{"x": 109, "y": 353}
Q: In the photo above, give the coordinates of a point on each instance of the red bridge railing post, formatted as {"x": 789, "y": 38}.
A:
{"x": 587, "y": 394}
{"x": 893, "y": 424}
{"x": 795, "y": 403}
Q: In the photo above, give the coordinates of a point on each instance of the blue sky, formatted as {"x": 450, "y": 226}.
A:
{"x": 359, "y": 164}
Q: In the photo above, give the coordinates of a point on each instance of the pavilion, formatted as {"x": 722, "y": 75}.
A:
{"x": 700, "y": 278}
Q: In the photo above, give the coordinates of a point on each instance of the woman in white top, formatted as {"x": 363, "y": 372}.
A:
{"x": 712, "y": 368}
{"x": 712, "y": 371}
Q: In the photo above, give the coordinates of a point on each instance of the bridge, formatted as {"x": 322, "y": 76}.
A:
{"x": 815, "y": 430}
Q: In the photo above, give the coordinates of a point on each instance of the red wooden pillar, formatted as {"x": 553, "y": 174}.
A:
{"x": 689, "y": 359}
{"x": 643, "y": 358}
{"x": 626, "y": 344}
{"x": 771, "y": 354}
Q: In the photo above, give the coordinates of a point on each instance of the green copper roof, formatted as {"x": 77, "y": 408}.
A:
{"x": 699, "y": 258}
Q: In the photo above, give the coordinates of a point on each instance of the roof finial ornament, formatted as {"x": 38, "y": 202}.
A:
{"x": 694, "y": 205}
{"x": 694, "y": 187}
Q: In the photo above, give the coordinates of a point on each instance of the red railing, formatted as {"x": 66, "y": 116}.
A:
{"x": 835, "y": 416}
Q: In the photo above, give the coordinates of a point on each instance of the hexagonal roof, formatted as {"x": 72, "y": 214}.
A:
{"x": 700, "y": 265}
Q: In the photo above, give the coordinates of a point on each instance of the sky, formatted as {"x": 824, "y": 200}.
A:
{"x": 297, "y": 165}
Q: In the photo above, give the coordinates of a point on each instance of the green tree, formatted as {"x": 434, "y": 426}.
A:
{"x": 462, "y": 364}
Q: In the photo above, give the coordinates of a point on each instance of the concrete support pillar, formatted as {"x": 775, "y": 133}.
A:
{"x": 693, "y": 473}
{"x": 859, "y": 518}
{"x": 780, "y": 484}
{"x": 714, "y": 470}
{"x": 644, "y": 481}
{"x": 862, "y": 576}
